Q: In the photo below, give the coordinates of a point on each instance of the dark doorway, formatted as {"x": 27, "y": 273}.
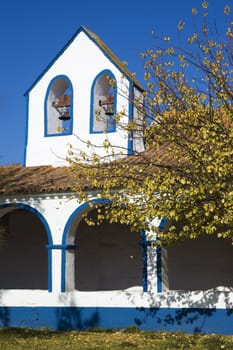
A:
{"x": 107, "y": 257}
{"x": 23, "y": 253}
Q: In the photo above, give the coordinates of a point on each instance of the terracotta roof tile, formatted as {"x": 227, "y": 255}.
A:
{"x": 36, "y": 179}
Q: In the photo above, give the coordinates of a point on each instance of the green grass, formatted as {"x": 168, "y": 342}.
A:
{"x": 15, "y": 338}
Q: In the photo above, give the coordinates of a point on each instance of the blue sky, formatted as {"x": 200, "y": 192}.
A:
{"x": 32, "y": 32}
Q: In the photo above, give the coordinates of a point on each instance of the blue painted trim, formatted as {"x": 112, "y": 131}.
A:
{"x": 159, "y": 259}
{"x": 35, "y": 212}
{"x": 70, "y": 131}
{"x": 105, "y": 52}
{"x": 47, "y": 230}
{"x": 131, "y": 117}
{"x": 63, "y": 271}
{"x": 112, "y": 123}
{"x": 159, "y": 269}
{"x": 189, "y": 320}
{"x": 61, "y": 246}
{"x": 162, "y": 223}
{"x": 26, "y": 132}
{"x": 78, "y": 211}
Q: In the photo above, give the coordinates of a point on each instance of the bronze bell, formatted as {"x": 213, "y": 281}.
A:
{"x": 107, "y": 104}
{"x": 61, "y": 106}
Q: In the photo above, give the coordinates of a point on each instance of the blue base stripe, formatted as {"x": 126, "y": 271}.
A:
{"x": 80, "y": 318}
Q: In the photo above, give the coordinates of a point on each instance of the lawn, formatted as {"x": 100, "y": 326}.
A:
{"x": 16, "y": 338}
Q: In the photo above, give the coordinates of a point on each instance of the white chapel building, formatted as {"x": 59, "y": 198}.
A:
{"x": 60, "y": 273}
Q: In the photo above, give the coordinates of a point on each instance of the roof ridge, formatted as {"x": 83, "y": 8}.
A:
{"x": 99, "y": 42}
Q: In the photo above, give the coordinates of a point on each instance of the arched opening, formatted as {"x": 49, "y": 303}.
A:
{"x": 58, "y": 107}
{"x": 199, "y": 264}
{"x": 23, "y": 253}
{"x": 107, "y": 257}
{"x": 103, "y": 103}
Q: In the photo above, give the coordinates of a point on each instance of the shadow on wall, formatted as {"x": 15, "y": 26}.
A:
{"x": 192, "y": 271}
{"x": 194, "y": 318}
{"x": 191, "y": 319}
{"x": 69, "y": 318}
{"x": 4, "y": 317}
{"x": 201, "y": 315}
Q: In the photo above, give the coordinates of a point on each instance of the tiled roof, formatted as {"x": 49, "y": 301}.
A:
{"x": 36, "y": 179}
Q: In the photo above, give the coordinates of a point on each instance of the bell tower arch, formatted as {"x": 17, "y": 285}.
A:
{"x": 59, "y": 107}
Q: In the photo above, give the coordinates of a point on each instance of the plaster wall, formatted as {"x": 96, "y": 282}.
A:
{"x": 220, "y": 298}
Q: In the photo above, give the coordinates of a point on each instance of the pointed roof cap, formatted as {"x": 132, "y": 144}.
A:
{"x": 103, "y": 47}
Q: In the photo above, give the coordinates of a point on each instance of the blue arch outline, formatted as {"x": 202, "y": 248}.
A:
{"x": 65, "y": 77}
{"x": 65, "y": 246}
{"x": 110, "y": 128}
{"x": 79, "y": 210}
{"x": 47, "y": 230}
